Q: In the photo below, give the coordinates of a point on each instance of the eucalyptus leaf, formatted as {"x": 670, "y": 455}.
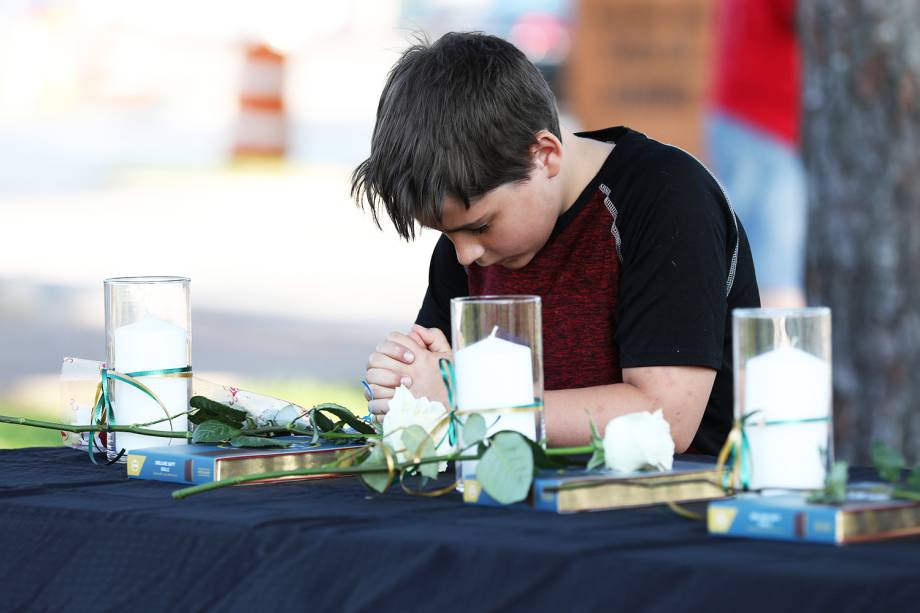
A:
{"x": 888, "y": 462}
{"x": 506, "y": 469}
{"x": 474, "y": 429}
{"x": 257, "y": 441}
{"x": 213, "y": 431}
{"x": 429, "y": 470}
{"x": 418, "y": 444}
{"x": 377, "y": 481}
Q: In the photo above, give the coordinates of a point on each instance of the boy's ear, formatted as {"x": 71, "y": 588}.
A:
{"x": 547, "y": 153}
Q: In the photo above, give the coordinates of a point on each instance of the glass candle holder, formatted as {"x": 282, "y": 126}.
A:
{"x": 783, "y": 394}
{"x": 148, "y": 327}
{"x": 498, "y": 364}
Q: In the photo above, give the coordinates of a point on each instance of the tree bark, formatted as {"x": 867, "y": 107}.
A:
{"x": 861, "y": 146}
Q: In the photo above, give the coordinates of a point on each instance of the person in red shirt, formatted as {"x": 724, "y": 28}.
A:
{"x": 753, "y": 138}
{"x": 630, "y": 243}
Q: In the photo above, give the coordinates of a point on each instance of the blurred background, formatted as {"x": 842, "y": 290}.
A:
{"x": 215, "y": 140}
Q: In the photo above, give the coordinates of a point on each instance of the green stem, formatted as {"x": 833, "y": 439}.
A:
{"x": 905, "y": 494}
{"x": 50, "y": 425}
{"x": 139, "y": 429}
{"x": 282, "y": 430}
{"x": 569, "y": 450}
{"x": 329, "y": 469}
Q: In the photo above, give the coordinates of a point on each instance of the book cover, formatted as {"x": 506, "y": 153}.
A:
{"x": 571, "y": 491}
{"x": 203, "y": 463}
{"x": 868, "y": 515}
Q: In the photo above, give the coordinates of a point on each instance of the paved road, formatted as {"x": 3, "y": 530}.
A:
{"x": 34, "y": 338}
{"x": 289, "y": 278}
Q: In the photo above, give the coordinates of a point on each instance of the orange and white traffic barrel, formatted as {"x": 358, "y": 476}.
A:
{"x": 261, "y": 126}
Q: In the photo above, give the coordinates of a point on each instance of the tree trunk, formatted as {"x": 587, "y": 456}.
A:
{"x": 861, "y": 145}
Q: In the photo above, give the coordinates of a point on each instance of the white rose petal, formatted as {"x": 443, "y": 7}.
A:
{"x": 638, "y": 440}
{"x": 407, "y": 410}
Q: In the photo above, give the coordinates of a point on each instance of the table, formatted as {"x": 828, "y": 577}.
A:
{"x": 75, "y": 536}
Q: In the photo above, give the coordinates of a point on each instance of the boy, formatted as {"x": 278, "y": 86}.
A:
{"x": 631, "y": 244}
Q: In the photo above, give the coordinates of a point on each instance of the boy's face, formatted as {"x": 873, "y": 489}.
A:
{"x": 507, "y": 226}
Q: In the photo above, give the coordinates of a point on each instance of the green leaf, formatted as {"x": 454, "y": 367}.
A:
{"x": 597, "y": 443}
{"x": 597, "y": 458}
{"x": 377, "y": 481}
{"x": 320, "y": 421}
{"x": 219, "y": 410}
{"x": 913, "y": 480}
{"x": 596, "y": 440}
{"x": 257, "y": 441}
{"x": 213, "y": 431}
{"x": 199, "y": 417}
{"x": 905, "y": 494}
{"x": 543, "y": 461}
{"x": 347, "y": 416}
{"x": 888, "y": 462}
{"x": 506, "y": 469}
{"x": 836, "y": 484}
{"x": 474, "y": 429}
{"x": 419, "y": 445}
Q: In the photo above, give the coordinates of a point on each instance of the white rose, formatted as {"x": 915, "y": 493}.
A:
{"x": 407, "y": 410}
{"x": 638, "y": 440}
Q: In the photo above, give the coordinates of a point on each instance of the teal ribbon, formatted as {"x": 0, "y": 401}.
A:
{"x": 736, "y": 454}
{"x": 102, "y": 410}
{"x": 448, "y": 375}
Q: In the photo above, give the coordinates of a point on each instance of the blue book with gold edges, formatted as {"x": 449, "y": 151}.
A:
{"x": 203, "y": 463}
{"x": 869, "y": 514}
{"x": 573, "y": 490}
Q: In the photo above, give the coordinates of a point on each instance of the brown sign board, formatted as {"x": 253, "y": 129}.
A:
{"x": 642, "y": 64}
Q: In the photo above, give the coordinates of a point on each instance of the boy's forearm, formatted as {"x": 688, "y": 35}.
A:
{"x": 567, "y": 421}
{"x": 566, "y": 411}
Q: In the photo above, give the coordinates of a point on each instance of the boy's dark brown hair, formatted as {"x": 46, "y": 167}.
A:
{"x": 455, "y": 117}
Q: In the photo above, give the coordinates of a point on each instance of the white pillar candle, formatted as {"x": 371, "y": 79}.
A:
{"x": 150, "y": 344}
{"x": 495, "y": 373}
{"x": 787, "y": 384}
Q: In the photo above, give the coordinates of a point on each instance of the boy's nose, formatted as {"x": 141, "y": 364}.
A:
{"x": 468, "y": 251}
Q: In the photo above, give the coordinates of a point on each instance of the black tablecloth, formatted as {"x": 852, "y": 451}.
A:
{"x": 81, "y": 537}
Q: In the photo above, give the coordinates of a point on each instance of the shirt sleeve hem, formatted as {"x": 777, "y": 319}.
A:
{"x": 644, "y": 361}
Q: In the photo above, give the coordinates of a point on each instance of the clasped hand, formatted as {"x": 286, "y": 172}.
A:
{"x": 411, "y": 360}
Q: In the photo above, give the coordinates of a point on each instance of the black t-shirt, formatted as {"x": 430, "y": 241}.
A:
{"x": 683, "y": 264}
